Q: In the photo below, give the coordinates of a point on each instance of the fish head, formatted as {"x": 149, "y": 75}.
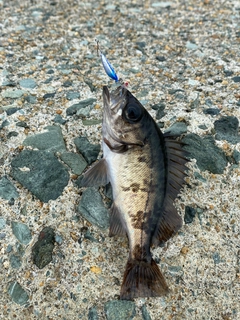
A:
{"x": 125, "y": 120}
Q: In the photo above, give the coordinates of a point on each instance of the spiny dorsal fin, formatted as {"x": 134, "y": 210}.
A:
{"x": 96, "y": 175}
{"x": 116, "y": 226}
{"x": 170, "y": 221}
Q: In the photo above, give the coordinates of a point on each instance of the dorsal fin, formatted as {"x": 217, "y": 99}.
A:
{"x": 170, "y": 221}
{"x": 96, "y": 175}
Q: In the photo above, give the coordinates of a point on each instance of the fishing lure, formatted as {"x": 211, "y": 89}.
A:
{"x": 107, "y": 65}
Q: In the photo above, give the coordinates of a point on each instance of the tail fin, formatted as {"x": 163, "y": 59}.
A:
{"x": 142, "y": 279}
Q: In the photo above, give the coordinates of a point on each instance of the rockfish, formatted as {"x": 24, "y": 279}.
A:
{"x": 146, "y": 170}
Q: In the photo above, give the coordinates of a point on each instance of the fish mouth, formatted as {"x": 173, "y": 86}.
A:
{"x": 114, "y": 101}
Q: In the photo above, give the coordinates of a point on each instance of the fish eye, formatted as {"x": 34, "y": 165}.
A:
{"x": 133, "y": 112}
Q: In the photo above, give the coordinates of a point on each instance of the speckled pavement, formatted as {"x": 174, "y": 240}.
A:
{"x": 183, "y": 54}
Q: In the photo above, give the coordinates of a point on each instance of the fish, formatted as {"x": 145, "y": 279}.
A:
{"x": 146, "y": 170}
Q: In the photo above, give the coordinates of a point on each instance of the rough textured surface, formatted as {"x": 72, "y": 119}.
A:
{"x": 181, "y": 59}
{"x": 44, "y": 181}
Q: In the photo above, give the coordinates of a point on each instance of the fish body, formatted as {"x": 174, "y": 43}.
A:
{"x": 146, "y": 171}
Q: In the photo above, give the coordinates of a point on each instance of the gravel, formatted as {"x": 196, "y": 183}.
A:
{"x": 181, "y": 60}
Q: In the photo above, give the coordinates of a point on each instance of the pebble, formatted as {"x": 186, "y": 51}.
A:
{"x": 75, "y": 161}
{"x": 91, "y": 207}
{"x": 191, "y": 46}
{"x": 177, "y": 129}
{"x": 211, "y": 111}
{"x": 15, "y": 261}
{"x": 59, "y": 119}
{"x": 236, "y": 156}
{"x": 2, "y": 223}
{"x": 11, "y": 111}
{"x": 119, "y": 310}
{"x": 7, "y": 189}
{"x": 43, "y": 248}
{"x": 28, "y": 83}
{"x": 72, "y": 95}
{"x": 145, "y": 314}
{"x": 17, "y": 293}
{"x": 4, "y": 124}
{"x": 92, "y": 314}
{"x": 41, "y": 173}
{"x": 30, "y": 99}
{"x": 21, "y": 232}
{"x": 88, "y": 150}
{"x": 189, "y": 215}
{"x": 52, "y": 140}
{"x": 236, "y": 79}
{"x": 14, "y": 94}
{"x": 49, "y": 95}
{"x": 227, "y": 129}
{"x": 77, "y": 106}
{"x": 208, "y": 155}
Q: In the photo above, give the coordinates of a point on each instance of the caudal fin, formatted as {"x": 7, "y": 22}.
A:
{"x": 142, "y": 279}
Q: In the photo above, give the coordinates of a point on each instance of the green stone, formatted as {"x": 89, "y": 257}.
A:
{"x": 17, "y": 293}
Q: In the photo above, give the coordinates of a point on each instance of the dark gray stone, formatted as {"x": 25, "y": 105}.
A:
{"x": 208, "y": 155}
{"x": 161, "y": 58}
{"x": 12, "y": 134}
{"x": 59, "y": 119}
{"x": 75, "y": 161}
{"x": 177, "y": 129}
{"x": 49, "y": 95}
{"x": 92, "y": 314}
{"x": 211, "y": 111}
{"x": 88, "y": 150}
{"x": 72, "y": 95}
{"x": 22, "y": 124}
{"x": 4, "y": 124}
{"x": 43, "y": 248}
{"x": 28, "y": 83}
{"x": 82, "y": 104}
{"x": 236, "y": 79}
{"x": 11, "y": 111}
{"x": 189, "y": 214}
{"x": 31, "y": 99}
{"x": 236, "y": 156}
{"x": 91, "y": 207}
{"x": 44, "y": 176}
{"x": 216, "y": 257}
{"x": 145, "y": 314}
{"x": 52, "y": 140}
{"x": 119, "y": 310}
{"x": 7, "y": 189}
{"x": 228, "y": 73}
{"x": 227, "y": 129}
{"x": 17, "y": 293}
{"x": 15, "y": 261}
{"x": 67, "y": 84}
{"x": 21, "y": 232}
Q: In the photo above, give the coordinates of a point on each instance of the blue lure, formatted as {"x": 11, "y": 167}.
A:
{"x": 107, "y": 66}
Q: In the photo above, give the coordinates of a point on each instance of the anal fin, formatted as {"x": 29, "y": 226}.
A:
{"x": 96, "y": 175}
{"x": 169, "y": 223}
{"x": 116, "y": 225}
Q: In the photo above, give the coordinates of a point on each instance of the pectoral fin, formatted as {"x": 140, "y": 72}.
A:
{"x": 96, "y": 175}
